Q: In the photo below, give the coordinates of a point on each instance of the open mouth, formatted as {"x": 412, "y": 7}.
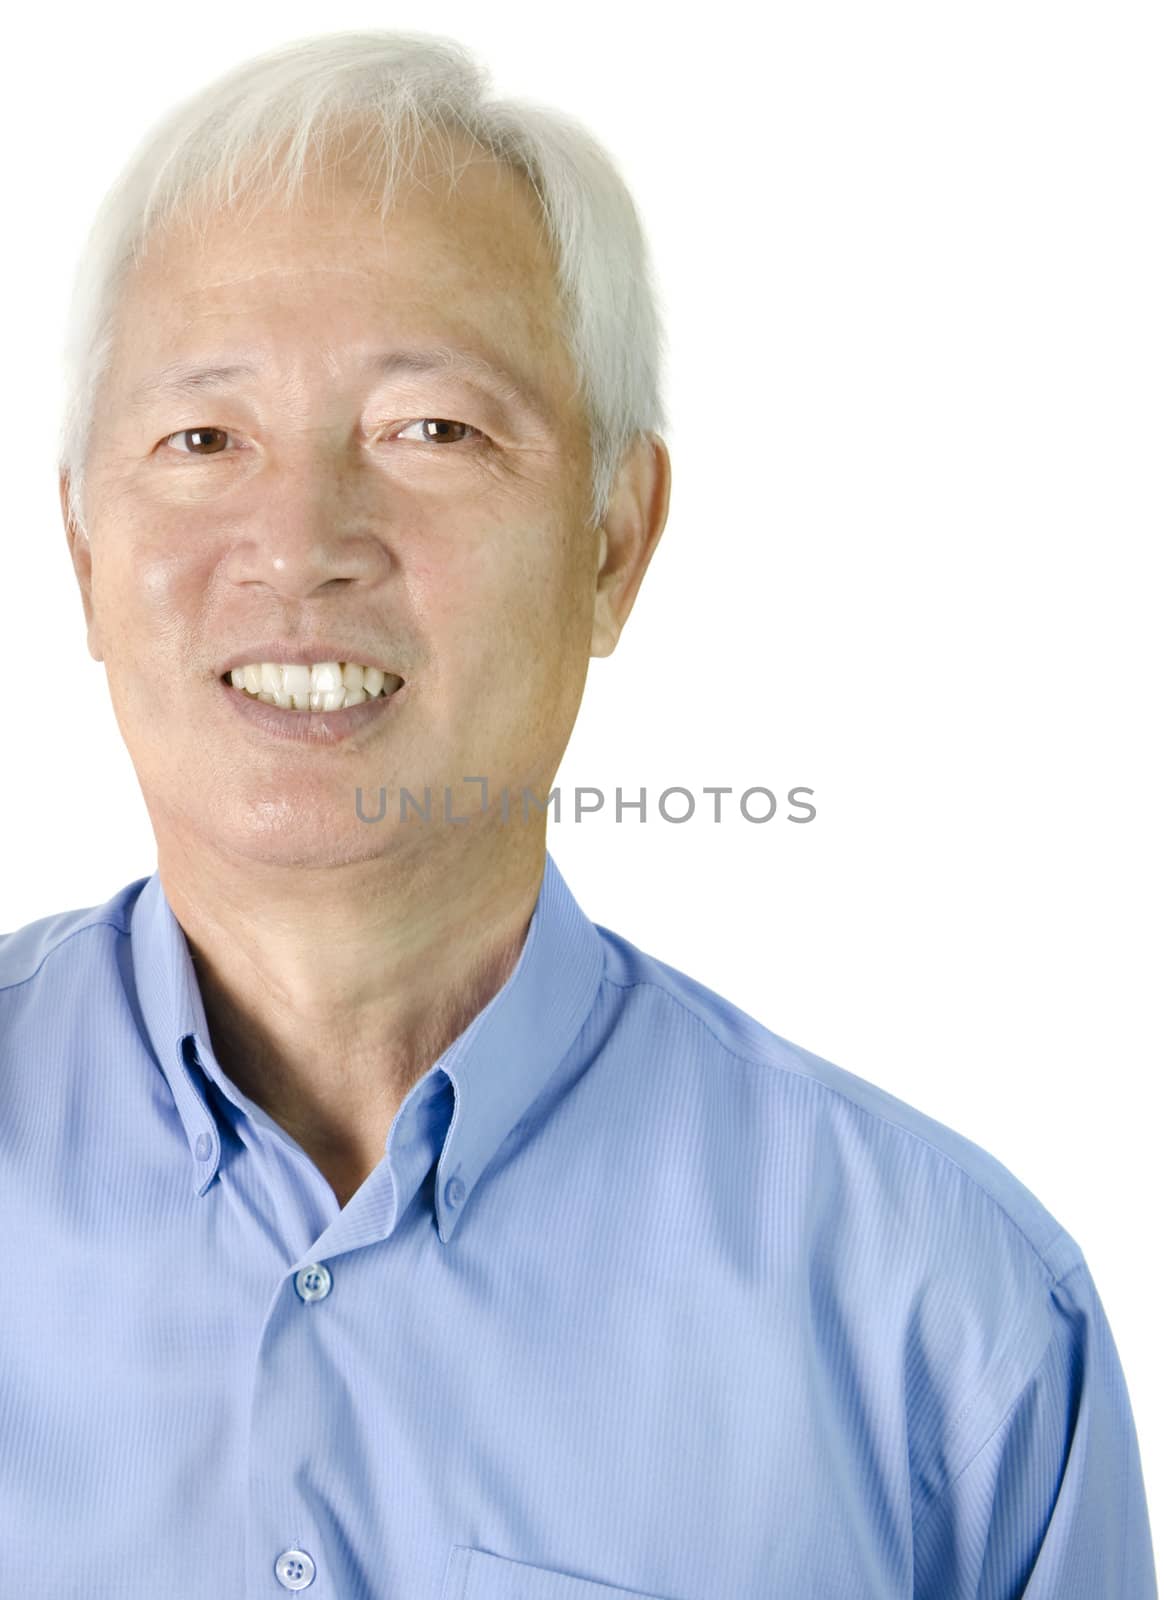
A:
{"x": 322, "y": 686}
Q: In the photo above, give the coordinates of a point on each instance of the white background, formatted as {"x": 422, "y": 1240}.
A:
{"x": 910, "y": 259}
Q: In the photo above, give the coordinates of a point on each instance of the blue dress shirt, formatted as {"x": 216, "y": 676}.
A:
{"x": 642, "y": 1300}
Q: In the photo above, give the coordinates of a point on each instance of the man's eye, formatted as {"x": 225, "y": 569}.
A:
{"x": 213, "y": 441}
{"x": 439, "y": 433}
{"x": 202, "y": 441}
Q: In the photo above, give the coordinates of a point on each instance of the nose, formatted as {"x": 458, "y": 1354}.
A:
{"x": 316, "y": 526}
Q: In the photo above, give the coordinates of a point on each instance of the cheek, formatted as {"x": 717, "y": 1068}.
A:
{"x": 149, "y": 590}
{"x": 496, "y": 601}
{"x": 538, "y": 644}
{"x": 505, "y": 657}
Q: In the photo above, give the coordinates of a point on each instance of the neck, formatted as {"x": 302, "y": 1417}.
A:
{"x": 330, "y": 990}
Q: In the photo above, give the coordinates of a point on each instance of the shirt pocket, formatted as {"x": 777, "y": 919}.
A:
{"x": 477, "y": 1575}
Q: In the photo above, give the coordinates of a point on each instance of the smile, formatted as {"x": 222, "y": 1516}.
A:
{"x": 322, "y": 686}
{"x": 295, "y": 709}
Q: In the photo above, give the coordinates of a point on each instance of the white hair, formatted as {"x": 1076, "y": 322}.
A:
{"x": 249, "y": 135}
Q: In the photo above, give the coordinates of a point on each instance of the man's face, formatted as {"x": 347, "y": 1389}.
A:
{"x": 319, "y": 504}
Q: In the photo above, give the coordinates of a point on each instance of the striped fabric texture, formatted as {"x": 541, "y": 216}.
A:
{"x": 642, "y": 1302}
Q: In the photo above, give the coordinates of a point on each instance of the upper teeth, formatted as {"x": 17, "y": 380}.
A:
{"x": 324, "y": 686}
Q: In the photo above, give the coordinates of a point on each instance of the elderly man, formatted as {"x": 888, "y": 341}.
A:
{"x": 377, "y": 1223}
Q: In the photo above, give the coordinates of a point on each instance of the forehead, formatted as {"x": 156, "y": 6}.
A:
{"x": 452, "y": 256}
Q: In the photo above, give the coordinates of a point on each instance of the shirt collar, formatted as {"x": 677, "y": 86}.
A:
{"x": 497, "y": 1066}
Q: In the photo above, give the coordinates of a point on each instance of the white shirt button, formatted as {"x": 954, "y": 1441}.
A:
{"x": 313, "y": 1282}
{"x": 295, "y": 1569}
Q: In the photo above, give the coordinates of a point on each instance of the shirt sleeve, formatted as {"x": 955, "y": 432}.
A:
{"x": 1052, "y": 1505}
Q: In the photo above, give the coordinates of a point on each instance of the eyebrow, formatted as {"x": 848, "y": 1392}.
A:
{"x": 187, "y": 377}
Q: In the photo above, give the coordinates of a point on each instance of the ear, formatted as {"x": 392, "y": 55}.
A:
{"x": 630, "y": 531}
{"x": 82, "y": 558}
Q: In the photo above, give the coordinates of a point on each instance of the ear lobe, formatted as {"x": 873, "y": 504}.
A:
{"x": 628, "y": 537}
{"x": 81, "y": 556}
{"x": 604, "y": 630}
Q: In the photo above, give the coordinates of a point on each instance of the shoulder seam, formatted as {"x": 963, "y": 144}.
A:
{"x": 1001, "y": 1423}
{"x": 759, "y": 1061}
{"x": 99, "y": 922}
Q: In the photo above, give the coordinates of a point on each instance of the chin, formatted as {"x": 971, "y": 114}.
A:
{"x": 283, "y": 831}
{"x": 296, "y": 847}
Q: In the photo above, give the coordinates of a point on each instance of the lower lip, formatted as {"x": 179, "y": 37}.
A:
{"x": 310, "y": 727}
